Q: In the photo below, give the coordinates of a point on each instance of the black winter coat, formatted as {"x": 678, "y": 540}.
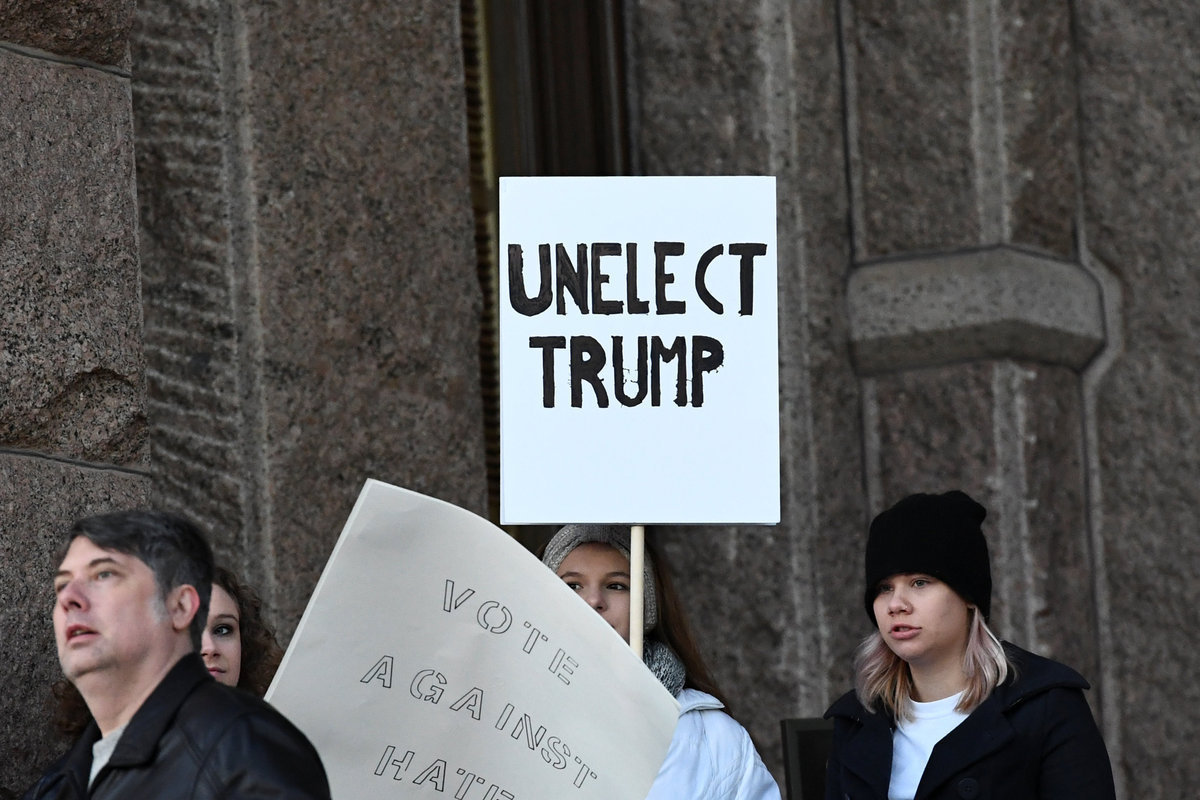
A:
{"x": 1033, "y": 739}
{"x": 193, "y": 738}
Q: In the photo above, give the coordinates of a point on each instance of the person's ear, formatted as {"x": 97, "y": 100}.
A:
{"x": 182, "y": 605}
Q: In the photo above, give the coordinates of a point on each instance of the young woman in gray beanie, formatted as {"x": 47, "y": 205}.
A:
{"x": 942, "y": 708}
{"x": 711, "y": 755}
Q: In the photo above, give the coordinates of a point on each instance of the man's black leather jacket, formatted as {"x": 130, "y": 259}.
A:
{"x": 196, "y": 739}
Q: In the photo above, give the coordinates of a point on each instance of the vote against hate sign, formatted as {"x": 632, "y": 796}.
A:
{"x": 639, "y": 350}
{"x": 438, "y": 658}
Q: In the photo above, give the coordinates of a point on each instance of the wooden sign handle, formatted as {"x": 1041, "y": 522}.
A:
{"x": 637, "y": 582}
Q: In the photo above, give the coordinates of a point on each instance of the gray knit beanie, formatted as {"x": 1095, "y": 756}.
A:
{"x": 571, "y": 536}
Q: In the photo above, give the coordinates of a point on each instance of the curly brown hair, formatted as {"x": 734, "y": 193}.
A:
{"x": 261, "y": 655}
{"x": 261, "y": 652}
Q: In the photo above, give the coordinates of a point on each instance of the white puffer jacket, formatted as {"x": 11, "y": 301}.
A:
{"x": 711, "y": 757}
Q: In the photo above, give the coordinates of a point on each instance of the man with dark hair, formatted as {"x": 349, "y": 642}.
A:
{"x": 132, "y": 593}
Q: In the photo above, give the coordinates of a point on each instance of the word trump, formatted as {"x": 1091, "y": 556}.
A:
{"x": 637, "y": 367}
{"x": 587, "y": 360}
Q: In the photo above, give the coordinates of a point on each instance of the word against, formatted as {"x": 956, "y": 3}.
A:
{"x": 429, "y": 685}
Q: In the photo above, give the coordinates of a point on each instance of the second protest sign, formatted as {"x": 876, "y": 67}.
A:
{"x": 639, "y": 350}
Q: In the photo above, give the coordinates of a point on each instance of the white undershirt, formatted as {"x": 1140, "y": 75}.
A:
{"x": 102, "y": 751}
{"x": 913, "y": 741}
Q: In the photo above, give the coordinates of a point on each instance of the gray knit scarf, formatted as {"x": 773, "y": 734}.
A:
{"x": 666, "y": 666}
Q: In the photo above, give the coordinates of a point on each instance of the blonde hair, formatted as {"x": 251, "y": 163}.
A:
{"x": 881, "y": 676}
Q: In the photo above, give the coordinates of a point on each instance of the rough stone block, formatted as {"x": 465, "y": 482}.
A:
{"x": 70, "y": 312}
{"x": 1038, "y": 99}
{"x": 962, "y": 126}
{"x": 910, "y": 120}
{"x": 77, "y": 29}
{"x": 1060, "y": 610}
{"x": 702, "y": 79}
{"x": 39, "y": 499}
{"x": 995, "y": 303}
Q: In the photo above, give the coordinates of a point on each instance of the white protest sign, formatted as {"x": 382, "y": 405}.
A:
{"x": 438, "y": 658}
{"x": 638, "y": 350}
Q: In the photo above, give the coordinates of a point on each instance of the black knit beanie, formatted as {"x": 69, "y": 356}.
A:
{"x": 936, "y": 534}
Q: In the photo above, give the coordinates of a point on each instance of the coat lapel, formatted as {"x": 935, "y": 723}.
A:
{"x": 139, "y": 743}
{"x": 868, "y": 748}
{"x": 984, "y": 732}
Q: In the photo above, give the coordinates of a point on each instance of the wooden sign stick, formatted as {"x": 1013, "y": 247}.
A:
{"x": 637, "y": 582}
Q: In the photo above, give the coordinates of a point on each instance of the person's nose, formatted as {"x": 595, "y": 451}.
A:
{"x": 72, "y": 596}
{"x": 595, "y": 599}
{"x": 207, "y": 650}
{"x": 898, "y": 602}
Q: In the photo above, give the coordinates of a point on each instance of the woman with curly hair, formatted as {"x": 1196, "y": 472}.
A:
{"x": 238, "y": 647}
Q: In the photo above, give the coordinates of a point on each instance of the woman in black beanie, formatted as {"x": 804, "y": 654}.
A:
{"x": 941, "y": 708}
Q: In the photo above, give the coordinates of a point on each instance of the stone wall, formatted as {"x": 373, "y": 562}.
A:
{"x": 73, "y": 437}
{"x": 1139, "y": 86}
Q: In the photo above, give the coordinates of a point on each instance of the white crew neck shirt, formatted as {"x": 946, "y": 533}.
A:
{"x": 913, "y": 741}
